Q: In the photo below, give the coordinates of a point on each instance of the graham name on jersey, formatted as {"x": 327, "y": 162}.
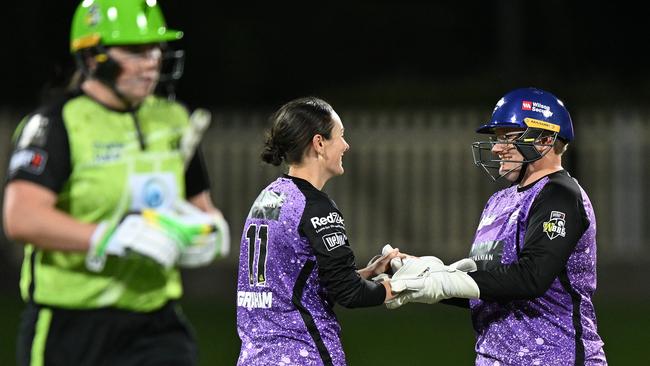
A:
{"x": 260, "y": 300}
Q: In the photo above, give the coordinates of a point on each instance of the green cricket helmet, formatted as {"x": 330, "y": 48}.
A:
{"x": 119, "y": 22}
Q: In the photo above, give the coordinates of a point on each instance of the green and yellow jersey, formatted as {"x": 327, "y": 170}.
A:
{"x": 103, "y": 163}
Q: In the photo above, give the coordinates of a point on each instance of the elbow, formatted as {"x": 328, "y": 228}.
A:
{"x": 16, "y": 224}
{"x": 26, "y": 207}
{"x": 348, "y": 303}
{"x": 14, "y": 230}
{"x": 349, "y": 300}
{"x": 345, "y": 301}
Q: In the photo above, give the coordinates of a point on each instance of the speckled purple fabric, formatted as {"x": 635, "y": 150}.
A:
{"x": 540, "y": 331}
{"x": 270, "y": 325}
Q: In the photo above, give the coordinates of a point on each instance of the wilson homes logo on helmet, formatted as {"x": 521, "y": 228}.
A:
{"x": 119, "y": 22}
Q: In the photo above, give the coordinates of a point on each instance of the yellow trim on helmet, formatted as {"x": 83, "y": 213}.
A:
{"x": 85, "y": 42}
{"x": 535, "y": 123}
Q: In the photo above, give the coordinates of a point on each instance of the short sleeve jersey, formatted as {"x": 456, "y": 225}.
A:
{"x": 99, "y": 161}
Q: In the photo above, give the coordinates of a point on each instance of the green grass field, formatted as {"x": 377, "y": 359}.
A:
{"x": 421, "y": 334}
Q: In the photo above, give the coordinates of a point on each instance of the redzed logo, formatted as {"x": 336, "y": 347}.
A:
{"x": 526, "y": 105}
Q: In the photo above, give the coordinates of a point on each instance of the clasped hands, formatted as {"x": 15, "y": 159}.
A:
{"x": 423, "y": 279}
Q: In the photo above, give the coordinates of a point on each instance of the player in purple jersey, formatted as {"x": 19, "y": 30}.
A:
{"x": 532, "y": 267}
{"x": 295, "y": 260}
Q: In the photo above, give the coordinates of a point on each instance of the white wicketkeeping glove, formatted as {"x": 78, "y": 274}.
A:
{"x": 428, "y": 280}
{"x": 137, "y": 234}
{"x": 203, "y": 248}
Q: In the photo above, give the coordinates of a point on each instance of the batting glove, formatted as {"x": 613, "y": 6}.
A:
{"x": 203, "y": 249}
{"x": 135, "y": 233}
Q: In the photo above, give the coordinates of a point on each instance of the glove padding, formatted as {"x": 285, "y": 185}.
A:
{"x": 136, "y": 234}
{"x": 428, "y": 280}
{"x": 182, "y": 235}
{"x": 202, "y": 249}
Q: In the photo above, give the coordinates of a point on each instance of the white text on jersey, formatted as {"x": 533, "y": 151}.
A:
{"x": 259, "y": 300}
{"x": 332, "y": 218}
{"x": 334, "y": 240}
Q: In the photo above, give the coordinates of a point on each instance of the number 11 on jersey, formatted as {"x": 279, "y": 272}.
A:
{"x": 252, "y": 236}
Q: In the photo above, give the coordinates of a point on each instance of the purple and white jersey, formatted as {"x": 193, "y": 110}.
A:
{"x": 536, "y": 251}
{"x": 295, "y": 262}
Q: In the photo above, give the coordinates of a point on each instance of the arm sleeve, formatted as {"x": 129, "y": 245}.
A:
{"x": 335, "y": 260}
{"x": 196, "y": 176}
{"x": 41, "y": 153}
{"x": 556, "y": 222}
{"x": 455, "y": 301}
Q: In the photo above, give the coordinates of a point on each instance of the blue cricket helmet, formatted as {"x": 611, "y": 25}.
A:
{"x": 531, "y": 108}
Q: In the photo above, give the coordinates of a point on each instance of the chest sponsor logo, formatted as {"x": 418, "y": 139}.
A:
{"x": 332, "y": 218}
{"x": 334, "y": 240}
{"x": 487, "y": 254}
{"x": 107, "y": 151}
{"x": 555, "y": 226}
{"x": 254, "y": 300}
{"x": 31, "y": 160}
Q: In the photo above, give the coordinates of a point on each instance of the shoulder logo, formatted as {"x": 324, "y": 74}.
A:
{"x": 555, "y": 226}
{"x": 31, "y": 160}
{"x": 334, "y": 240}
{"x": 34, "y": 132}
{"x": 267, "y": 205}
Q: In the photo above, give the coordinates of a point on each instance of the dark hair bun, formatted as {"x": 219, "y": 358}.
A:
{"x": 272, "y": 154}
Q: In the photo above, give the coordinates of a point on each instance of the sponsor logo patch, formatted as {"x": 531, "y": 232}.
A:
{"x": 31, "y": 160}
{"x": 555, "y": 226}
{"x": 107, "y": 151}
{"x": 332, "y": 218}
{"x": 487, "y": 254}
{"x": 527, "y": 105}
{"x": 334, "y": 240}
{"x": 152, "y": 190}
{"x": 267, "y": 205}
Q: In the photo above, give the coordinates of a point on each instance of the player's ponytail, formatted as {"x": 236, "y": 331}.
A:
{"x": 292, "y": 128}
{"x": 271, "y": 153}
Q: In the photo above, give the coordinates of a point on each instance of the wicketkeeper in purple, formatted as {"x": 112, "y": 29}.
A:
{"x": 531, "y": 272}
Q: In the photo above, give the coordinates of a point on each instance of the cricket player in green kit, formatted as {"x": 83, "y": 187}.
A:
{"x": 110, "y": 196}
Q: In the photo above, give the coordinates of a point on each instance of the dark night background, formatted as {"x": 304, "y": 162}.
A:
{"x": 377, "y": 57}
{"x": 366, "y": 53}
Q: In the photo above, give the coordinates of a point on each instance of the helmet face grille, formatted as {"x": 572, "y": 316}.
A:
{"x": 526, "y": 143}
